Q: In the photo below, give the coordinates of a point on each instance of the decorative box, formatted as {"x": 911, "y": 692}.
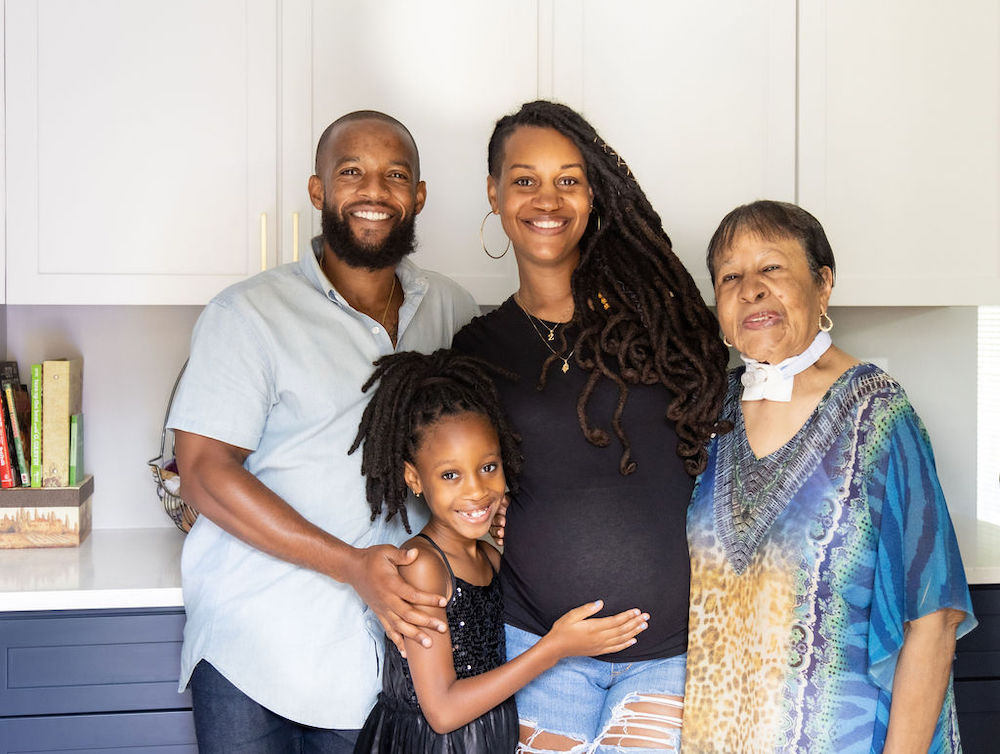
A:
{"x": 46, "y": 516}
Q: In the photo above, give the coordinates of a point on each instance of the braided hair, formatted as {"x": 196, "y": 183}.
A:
{"x": 416, "y": 390}
{"x": 638, "y": 316}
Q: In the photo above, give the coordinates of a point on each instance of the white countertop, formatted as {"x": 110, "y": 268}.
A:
{"x": 122, "y": 568}
{"x": 979, "y": 542}
{"x": 113, "y": 568}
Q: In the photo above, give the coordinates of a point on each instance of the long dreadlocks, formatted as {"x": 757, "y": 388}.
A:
{"x": 638, "y": 315}
{"x": 415, "y": 390}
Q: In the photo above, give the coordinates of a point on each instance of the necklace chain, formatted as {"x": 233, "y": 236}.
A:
{"x": 388, "y": 301}
{"x": 552, "y": 332}
{"x": 392, "y": 289}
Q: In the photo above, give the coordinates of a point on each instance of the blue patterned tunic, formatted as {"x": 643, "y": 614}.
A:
{"x": 805, "y": 564}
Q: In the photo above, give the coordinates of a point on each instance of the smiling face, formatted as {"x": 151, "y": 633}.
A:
{"x": 542, "y": 195}
{"x": 367, "y": 186}
{"x": 458, "y": 469}
{"x": 768, "y": 300}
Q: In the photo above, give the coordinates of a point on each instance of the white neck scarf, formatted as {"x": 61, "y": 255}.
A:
{"x": 774, "y": 382}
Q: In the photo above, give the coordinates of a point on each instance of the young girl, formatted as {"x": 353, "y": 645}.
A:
{"x": 434, "y": 426}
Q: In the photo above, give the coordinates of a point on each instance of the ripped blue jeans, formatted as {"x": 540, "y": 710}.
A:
{"x": 601, "y": 706}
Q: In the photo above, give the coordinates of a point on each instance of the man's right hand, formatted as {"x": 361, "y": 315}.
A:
{"x": 374, "y": 574}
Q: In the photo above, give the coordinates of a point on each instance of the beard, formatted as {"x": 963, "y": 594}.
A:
{"x": 400, "y": 242}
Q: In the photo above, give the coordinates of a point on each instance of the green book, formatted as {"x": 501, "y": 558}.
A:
{"x": 35, "y": 437}
{"x": 75, "y": 449}
{"x": 18, "y": 435}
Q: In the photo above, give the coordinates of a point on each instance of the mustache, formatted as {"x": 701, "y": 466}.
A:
{"x": 399, "y": 242}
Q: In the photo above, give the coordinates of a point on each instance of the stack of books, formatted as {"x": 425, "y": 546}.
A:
{"x": 41, "y": 446}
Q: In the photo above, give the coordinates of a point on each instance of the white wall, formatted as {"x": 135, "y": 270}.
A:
{"x": 132, "y": 354}
{"x": 933, "y": 353}
{"x": 131, "y": 357}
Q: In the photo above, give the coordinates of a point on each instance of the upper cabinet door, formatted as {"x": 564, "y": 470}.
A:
{"x": 899, "y": 120}
{"x": 697, "y": 97}
{"x": 141, "y": 148}
{"x": 448, "y": 71}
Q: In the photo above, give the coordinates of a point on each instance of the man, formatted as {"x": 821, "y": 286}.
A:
{"x": 279, "y": 646}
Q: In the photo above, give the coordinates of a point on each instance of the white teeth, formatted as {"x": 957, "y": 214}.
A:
{"x": 475, "y": 515}
{"x": 368, "y": 215}
{"x": 547, "y": 223}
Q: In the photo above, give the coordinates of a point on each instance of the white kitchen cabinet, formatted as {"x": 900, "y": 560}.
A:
{"x": 448, "y": 71}
{"x": 899, "y": 147}
{"x": 699, "y": 99}
{"x": 141, "y": 148}
{"x": 146, "y": 140}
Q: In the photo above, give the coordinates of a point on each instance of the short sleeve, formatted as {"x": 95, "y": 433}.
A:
{"x": 225, "y": 392}
{"x": 918, "y": 567}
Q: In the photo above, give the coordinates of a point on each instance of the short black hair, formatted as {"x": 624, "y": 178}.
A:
{"x": 364, "y": 115}
{"x": 771, "y": 221}
{"x": 415, "y": 390}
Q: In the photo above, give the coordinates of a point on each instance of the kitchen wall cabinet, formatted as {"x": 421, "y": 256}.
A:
{"x": 94, "y": 680}
{"x": 698, "y": 98}
{"x": 899, "y": 111}
{"x": 448, "y": 71}
{"x": 140, "y": 147}
{"x": 145, "y": 141}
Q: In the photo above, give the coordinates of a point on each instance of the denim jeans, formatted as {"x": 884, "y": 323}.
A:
{"x": 227, "y": 720}
{"x": 582, "y": 699}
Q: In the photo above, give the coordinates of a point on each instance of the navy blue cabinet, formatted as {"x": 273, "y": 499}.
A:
{"x": 977, "y": 675}
{"x": 93, "y": 680}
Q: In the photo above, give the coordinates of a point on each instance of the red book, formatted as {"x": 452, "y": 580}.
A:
{"x": 6, "y": 470}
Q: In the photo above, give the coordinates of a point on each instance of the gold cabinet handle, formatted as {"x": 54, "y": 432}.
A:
{"x": 295, "y": 236}
{"x": 263, "y": 241}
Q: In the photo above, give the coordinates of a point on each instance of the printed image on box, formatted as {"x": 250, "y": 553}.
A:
{"x": 53, "y": 517}
{"x": 43, "y": 527}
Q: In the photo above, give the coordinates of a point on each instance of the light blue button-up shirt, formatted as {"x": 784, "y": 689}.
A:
{"x": 276, "y": 367}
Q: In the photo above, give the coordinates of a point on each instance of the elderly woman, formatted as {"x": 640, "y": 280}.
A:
{"x": 826, "y": 583}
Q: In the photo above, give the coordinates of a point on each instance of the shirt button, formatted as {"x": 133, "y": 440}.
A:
{"x": 375, "y": 330}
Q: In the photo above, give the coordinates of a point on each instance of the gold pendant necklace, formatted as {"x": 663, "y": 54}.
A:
{"x": 552, "y": 333}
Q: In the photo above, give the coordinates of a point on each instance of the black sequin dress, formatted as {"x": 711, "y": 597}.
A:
{"x": 397, "y": 726}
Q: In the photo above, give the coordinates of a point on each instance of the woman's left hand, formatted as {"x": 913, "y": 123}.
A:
{"x": 500, "y": 521}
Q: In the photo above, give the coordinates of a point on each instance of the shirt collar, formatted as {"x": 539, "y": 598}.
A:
{"x": 411, "y": 277}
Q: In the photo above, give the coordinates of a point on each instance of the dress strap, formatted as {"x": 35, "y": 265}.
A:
{"x": 444, "y": 557}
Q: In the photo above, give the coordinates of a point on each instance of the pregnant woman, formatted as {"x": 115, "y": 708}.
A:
{"x": 622, "y": 376}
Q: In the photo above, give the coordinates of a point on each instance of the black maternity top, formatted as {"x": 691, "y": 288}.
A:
{"x": 578, "y": 530}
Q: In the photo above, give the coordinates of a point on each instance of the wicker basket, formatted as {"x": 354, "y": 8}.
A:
{"x": 165, "y": 472}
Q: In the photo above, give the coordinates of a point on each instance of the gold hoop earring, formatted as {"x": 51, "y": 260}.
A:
{"x": 482, "y": 240}
{"x": 725, "y": 342}
{"x": 598, "y": 217}
{"x": 829, "y": 322}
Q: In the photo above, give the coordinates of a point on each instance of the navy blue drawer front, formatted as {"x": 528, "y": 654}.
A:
{"x": 147, "y": 732}
{"x": 977, "y": 675}
{"x": 978, "y": 705}
{"x": 978, "y": 652}
{"x": 90, "y": 661}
